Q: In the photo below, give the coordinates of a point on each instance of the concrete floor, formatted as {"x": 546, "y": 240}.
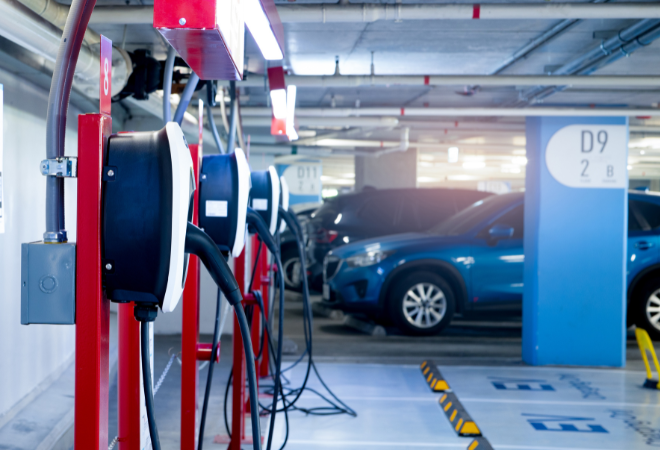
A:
{"x": 349, "y": 359}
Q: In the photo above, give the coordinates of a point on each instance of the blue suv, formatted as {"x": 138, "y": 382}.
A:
{"x": 473, "y": 263}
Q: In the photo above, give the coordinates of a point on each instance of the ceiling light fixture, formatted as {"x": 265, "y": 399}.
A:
{"x": 290, "y": 113}
{"x": 452, "y": 154}
{"x": 260, "y": 27}
{"x": 474, "y": 165}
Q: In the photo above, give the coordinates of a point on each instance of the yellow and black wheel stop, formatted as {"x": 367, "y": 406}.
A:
{"x": 646, "y": 345}
{"x": 460, "y": 420}
{"x": 433, "y": 376}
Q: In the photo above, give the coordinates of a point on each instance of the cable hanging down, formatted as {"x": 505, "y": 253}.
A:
{"x": 290, "y": 396}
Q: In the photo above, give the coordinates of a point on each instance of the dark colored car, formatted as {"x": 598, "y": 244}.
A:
{"x": 289, "y": 249}
{"x": 419, "y": 280}
{"x": 368, "y": 214}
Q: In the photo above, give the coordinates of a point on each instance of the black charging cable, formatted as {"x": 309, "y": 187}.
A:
{"x": 200, "y": 244}
{"x": 145, "y": 314}
{"x": 209, "y": 376}
{"x": 255, "y": 220}
{"x": 339, "y": 407}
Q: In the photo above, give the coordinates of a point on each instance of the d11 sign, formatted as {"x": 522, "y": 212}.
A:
{"x": 589, "y": 156}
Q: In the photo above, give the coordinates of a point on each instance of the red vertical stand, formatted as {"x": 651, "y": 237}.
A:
{"x": 92, "y": 307}
{"x": 128, "y": 379}
{"x": 190, "y": 331}
{"x": 256, "y": 316}
{"x": 238, "y": 385}
{"x": 265, "y": 284}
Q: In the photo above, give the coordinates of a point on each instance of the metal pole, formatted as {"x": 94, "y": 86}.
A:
{"x": 190, "y": 330}
{"x": 92, "y": 308}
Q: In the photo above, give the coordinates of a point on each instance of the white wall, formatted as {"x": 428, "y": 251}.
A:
{"x": 29, "y": 353}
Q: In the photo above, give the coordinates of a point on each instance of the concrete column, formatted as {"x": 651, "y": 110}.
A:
{"x": 393, "y": 170}
{"x": 575, "y": 240}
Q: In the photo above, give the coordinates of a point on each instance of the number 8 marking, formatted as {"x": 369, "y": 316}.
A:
{"x": 106, "y": 82}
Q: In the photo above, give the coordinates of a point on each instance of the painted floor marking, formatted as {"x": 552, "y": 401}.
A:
{"x": 556, "y": 402}
{"x": 379, "y": 444}
{"x": 533, "y": 447}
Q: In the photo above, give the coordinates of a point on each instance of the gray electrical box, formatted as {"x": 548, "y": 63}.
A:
{"x": 48, "y": 283}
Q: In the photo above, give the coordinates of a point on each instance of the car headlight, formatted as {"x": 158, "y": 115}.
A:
{"x": 367, "y": 259}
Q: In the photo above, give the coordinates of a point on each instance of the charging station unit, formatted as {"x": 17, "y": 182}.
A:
{"x": 224, "y": 193}
{"x": 265, "y": 196}
{"x": 284, "y": 201}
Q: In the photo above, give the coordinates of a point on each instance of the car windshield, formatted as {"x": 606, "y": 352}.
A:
{"x": 473, "y": 215}
{"x": 328, "y": 210}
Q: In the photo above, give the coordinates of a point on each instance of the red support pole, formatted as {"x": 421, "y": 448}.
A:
{"x": 190, "y": 331}
{"x": 238, "y": 384}
{"x": 256, "y": 315}
{"x": 128, "y": 381}
{"x": 265, "y": 284}
{"x": 92, "y": 307}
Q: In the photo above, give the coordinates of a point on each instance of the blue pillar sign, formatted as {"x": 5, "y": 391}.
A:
{"x": 304, "y": 181}
{"x": 589, "y": 156}
{"x": 574, "y": 302}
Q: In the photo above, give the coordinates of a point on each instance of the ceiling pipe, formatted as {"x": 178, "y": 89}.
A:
{"x": 458, "y": 112}
{"x": 330, "y": 122}
{"x": 56, "y": 13}
{"x": 154, "y": 106}
{"x": 367, "y": 13}
{"x": 585, "y": 63}
{"x": 352, "y": 81}
{"x": 24, "y": 27}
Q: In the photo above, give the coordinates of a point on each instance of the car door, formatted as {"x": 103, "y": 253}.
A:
{"x": 377, "y": 216}
{"x": 497, "y": 271}
{"x": 643, "y": 239}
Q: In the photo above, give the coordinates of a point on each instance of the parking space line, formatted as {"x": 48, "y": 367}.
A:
{"x": 335, "y": 443}
{"x": 557, "y": 402}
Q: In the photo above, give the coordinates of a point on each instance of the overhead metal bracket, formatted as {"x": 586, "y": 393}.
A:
{"x": 63, "y": 167}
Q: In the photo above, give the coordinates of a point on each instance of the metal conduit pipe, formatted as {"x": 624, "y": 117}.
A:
{"x": 24, "y": 27}
{"x": 621, "y": 38}
{"x": 457, "y": 112}
{"x": 361, "y": 13}
{"x": 623, "y": 51}
{"x": 585, "y": 61}
{"x": 333, "y": 122}
{"x": 351, "y": 81}
{"x": 56, "y": 13}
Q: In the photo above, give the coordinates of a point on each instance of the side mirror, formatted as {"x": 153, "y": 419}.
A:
{"x": 499, "y": 231}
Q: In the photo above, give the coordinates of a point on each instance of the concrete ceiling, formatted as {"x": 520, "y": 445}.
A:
{"x": 451, "y": 47}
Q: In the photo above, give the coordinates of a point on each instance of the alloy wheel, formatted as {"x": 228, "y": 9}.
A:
{"x": 653, "y": 309}
{"x": 424, "y": 305}
{"x": 291, "y": 268}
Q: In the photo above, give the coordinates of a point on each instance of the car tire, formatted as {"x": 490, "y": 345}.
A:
{"x": 647, "y": 308}
{"x": 291, "y": 263}
{"x": 421, "y": 304}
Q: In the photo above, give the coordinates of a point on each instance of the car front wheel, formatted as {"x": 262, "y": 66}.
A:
{"x": 422, "y": 304}
{"x": 648, "y": 308}
{"x": 291, "y": 268}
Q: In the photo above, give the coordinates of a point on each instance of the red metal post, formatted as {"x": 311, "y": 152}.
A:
{"x": 256, "y": 315}
{"x": 128, "y": 381}
{"x": 92, "y": 307}
{"x": 238, "y": 385}
{"x": 265, "y": 284}
{"x": 256, "y": 286}
{"x": 190, "y": 331}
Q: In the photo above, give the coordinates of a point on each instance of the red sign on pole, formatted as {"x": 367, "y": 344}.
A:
{"x": 105, "y": 89}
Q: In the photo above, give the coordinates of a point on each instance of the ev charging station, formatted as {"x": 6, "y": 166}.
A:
{"x": 138, "y": 207}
